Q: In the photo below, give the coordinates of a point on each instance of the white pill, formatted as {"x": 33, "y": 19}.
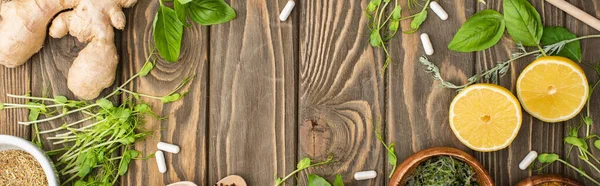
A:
{"x": 287, "y": 10}
{"x": 528, "y": 160}
{"x": 160, "y": 161}
{"x": 438, "y": 10}
{"x": 168, "y": 147}
{"x": 365, "y": 175}
{"x": 427, "y": 44}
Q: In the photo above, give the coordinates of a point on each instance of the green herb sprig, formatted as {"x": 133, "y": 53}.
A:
{"x": 90, "y": 155}
{"x": 169, "y": 22}
{"x": 379, "y": 21}
{"x": 313, "y": 179}
{"x": 443, "y": 170}
{"x": 391, "y": 152}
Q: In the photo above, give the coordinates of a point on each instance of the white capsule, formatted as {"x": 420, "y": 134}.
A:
{"x": 160, "y": 161}
{"x": 528, "y": 160}
{"x": 426, "y": 44}
{"x": 287, "y": 10}
{"x": 168, "y": 147}
{"x": 365, "y": 175}
{"x": 438, "y": 10}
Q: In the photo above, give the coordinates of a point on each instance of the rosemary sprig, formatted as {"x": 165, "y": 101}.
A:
{"x": 501, "y": 68}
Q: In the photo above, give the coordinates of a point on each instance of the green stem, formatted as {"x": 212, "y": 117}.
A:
{"x": 30, "y": 97}
{"x": 140, "y": 94}
{"x": 579, "y": 171}
{"x": 58, "y": 116}
{"x": 542, "y": 50}
{"x": 69, "y": 125}
{"x": 298, "y": 170}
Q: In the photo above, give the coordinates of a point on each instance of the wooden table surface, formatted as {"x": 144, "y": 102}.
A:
{"x": 267, "y": 93}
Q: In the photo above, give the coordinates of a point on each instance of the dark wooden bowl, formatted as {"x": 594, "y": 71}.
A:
{"x": 536, "y": 180}
{"x": 410, "y": 164}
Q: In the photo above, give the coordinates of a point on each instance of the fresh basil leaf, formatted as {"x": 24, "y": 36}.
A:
{"x": 556, "y": 34}
{"x": 314, "y": 180}
{"x": 168, "y": 31}
{"x": 183, "y": 1}
{"x": 181, "y": 13}
{"x": 418, "y": 20}
{"x": 481, "y": 31}
{"x": 210, "y": 12}
{"x": 547, "y": 158}
{"x": 338, "y": 180}
{"x": 523, "y": 22}
{"x": 303, "y": 164}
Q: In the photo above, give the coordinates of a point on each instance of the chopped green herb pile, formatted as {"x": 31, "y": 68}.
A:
{"x": 443, "y": 170}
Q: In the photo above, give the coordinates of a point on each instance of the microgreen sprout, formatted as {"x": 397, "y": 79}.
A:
{"x": 303, "y": 164}
{"x": 90, "y": 155}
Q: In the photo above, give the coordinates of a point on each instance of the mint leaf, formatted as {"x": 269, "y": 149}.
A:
{"x": 556, "y": 34}
{"x": 523, "y": 22}
{"x": 481, "y": 31}
{"x": 168, "y": 31}
{"x": 210, "y": 12}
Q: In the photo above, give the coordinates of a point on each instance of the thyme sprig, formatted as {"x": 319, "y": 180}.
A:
{"x": 500, "y": 69}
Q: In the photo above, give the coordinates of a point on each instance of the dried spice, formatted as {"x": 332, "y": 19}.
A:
{"x": 20, "y": 168}
{"x": 443, "y": 170}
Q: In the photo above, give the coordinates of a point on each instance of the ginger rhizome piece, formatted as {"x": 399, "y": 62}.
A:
{"x": 92, "y": 21}
{"x": 23, "y": 26}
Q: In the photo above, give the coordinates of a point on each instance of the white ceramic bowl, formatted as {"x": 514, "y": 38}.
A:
{"x": 11, "y": 142}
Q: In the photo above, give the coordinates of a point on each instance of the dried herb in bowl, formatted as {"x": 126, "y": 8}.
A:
{"x": 443, "y": 170}
{"x": 18, "y": 167}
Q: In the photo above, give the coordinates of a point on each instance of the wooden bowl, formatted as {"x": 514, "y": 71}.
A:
{"x": 410, "y": 164}
{"x": 536, "y": 180}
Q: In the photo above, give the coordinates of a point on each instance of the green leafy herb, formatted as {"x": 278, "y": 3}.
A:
{"x": 391, "y": 151}
{"x": 442, "y": 170}
{"x": 523, "y": 22}
{"x": 481, "y": 31}
{"x": 597, "y": 144}
{"x": 210, "y": 12}
{"x": 169, "y": 23}
{"x": 547, "y": 158}
{"x": 168, "y": 31}
{"x": 314, "y": 180}
{"x": 553, "y": 35}
{"x": 303, "y": 164}
{"x": 338, "y": 180}
{"x": 380, "y": 17}
{"x": 90, "y": 155}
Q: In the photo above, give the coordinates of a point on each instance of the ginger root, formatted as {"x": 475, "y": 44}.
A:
{"x": 90, "y": 21}
{"x": 23, "y": 26}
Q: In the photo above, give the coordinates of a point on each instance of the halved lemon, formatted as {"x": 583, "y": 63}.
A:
{"x": 485, "y": 117}
{"x": 553, "y": 89}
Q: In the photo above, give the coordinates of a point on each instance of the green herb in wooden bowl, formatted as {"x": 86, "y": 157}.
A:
{"x": 442, "y": 170}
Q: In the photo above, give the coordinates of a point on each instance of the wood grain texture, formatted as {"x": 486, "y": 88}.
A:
{"x": 590, "y": 56}
{"x": 252, "y": 100}
{"x": 14, "y": 81}
{"x": 185, "y": 122}
{"x": 340, "y": 91}
{"x": 534, "y": 134}
{"x": 417, "y": 108}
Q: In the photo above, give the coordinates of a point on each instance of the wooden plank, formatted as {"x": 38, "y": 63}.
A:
{"x": 252, "y": 94}
{"x": 417, "y": 107}
{"x": 340, "y": 91}
{"x": 590, "y": 56}
{"x": 14, "y": 81}
{"x": 185, "y": 123}
{"x": 534, "y": 134}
